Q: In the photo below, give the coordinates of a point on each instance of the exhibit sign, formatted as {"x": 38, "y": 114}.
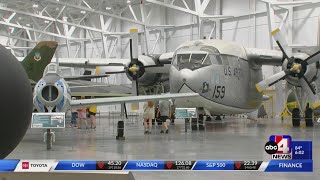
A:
{"x": 186, "y": 113}
{"x": 48, "y": 120}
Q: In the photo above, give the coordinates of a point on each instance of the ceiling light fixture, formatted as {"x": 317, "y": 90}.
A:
{"x": 128, "y": 1}
{"x": 82, "y": 12}
{"x": 35, "y": 5}
{"x": 108, "y": 8}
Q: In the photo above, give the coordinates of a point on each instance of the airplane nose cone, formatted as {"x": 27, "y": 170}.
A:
{"x": 179, "y": 78}
{"x": 186, "y": 74}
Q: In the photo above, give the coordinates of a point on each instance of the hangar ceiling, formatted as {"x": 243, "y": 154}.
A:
{"x": 66, "y": 20}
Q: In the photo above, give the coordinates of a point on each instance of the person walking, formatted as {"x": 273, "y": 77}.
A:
{"x": 74, "y": 114}
{"x": 82, "y": 116}
{"x": 163, "y": 114}
{"x": 92, "y": 114}
{"x": 148, "y": 115}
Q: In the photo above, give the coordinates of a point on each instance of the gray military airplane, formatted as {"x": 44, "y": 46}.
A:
{"x": 228, "y": 76}
{"x": 52, "y": 94}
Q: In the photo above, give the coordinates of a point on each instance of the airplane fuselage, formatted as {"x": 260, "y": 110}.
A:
{"x": 226, "y": 84}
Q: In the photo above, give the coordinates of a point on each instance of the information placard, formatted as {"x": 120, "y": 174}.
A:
{"x": 48, "y": 120}
{"x": 186, "y": 113}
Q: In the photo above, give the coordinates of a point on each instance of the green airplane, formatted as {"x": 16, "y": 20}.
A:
{"x": 37, "y": 60}
{"x": 41, "y": 55}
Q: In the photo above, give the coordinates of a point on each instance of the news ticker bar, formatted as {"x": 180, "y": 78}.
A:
{"x": 155, "y": 165}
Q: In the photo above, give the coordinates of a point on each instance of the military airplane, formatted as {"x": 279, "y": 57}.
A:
{"x": 41, "y": 55}
{"x": 227, "y": 75}
{"x": 52, "y": 92}
{"x": 36, "y": 61}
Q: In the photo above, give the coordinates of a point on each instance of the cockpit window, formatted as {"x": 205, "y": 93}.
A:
{"x": 183, "y": 58}
{"x": 197, "y": 58}
{"x": 52, "y": 68}
{"x": 207, "y": 61}
{"x": 191, "y": 60}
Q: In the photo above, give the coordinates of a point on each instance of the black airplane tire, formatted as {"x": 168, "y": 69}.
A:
{"x": 296, "y": 117}
{"x": 309, "y": 117}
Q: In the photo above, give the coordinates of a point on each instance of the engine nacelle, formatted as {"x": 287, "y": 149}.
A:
{"x": 146, "y": 78}
{"x": 310, "y": 71}
{"x": 52, "y": 94}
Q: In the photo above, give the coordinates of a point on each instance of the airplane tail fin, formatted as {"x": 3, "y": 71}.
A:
{"x": 37, "y": 60}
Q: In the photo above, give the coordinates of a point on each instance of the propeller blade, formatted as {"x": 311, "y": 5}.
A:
{"x": 116, "y": 64}
{"x": 312, "y": 97}
{"x": 125, "y": 110}
{"x": 308, "y": 84}
{"x": 116, "y": 72}
{"x": 135, "y": 85}
{"x": 133, "y": 43}
{"x": 131, "y": 55}
{"x": 134, "y": 46}
{"x": 313, "y": 58}
{"x": 151, "y": 66}
{"x": 262, "y": 85}
{"x": 282, "y": 43}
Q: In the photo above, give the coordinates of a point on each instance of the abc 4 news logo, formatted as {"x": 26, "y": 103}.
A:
{"x": 279, "y": 147}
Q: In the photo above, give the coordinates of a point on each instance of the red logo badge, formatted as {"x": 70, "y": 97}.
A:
{"x": 25, "y": 165}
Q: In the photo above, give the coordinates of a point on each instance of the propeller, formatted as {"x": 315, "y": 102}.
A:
{"x": 295, "y": 67}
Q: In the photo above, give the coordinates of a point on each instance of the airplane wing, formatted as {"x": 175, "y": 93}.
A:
{"x": 86, "y": 77}
{"x": 265, "y": 56}
{"x": 98, "y": 94}
{"x": 92, "y": 63}
{"x": 130, "y": 99}
{"x": 98, "y": 90}
{"x": 88, "y": 88}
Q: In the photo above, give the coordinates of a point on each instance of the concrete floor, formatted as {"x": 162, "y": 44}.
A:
{"x": 230, "y": 139}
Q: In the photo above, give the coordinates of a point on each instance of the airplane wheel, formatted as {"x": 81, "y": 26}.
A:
{"x": 208, "y": 118}
{"x": 309, "y": 117}
{"x": 296, "y": 117}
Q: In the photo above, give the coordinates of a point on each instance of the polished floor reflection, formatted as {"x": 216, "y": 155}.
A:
{"x": 232, "y": 139}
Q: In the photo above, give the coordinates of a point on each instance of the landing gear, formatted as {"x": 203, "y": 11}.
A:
{"x": 309, "y": 117}
{"x": 208, "y": 118}
{"x": 296, "y": 117}
{"x": 218, "y": 118}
